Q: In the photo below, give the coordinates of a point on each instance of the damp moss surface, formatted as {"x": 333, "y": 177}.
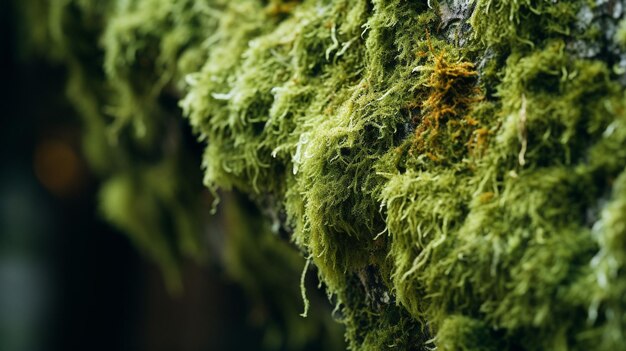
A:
{"x": 454, "y": 170}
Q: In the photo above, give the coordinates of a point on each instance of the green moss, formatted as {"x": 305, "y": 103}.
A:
{"x": 453, "y": 169}
{"x": 268, "y": 269}
{"x": 466, "y": 334}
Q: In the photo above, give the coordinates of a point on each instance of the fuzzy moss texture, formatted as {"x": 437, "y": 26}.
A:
{"x": 454, "y": 169}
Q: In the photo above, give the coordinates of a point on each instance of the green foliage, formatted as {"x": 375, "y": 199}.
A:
{"x": 455, "y": 170}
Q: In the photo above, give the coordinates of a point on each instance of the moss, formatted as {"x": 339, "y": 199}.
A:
{"x": 466, "y": 334}
{"x": 453, "y": 169}
{"x": 133, "y": 160}
{"x": 450, "y": 91}
{"x": 164, "y": 221}
{"x": 268, "y": 269}
{"x": 128, "y": 64}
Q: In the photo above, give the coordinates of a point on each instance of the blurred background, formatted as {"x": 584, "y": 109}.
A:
{"x": 68, "y": 280}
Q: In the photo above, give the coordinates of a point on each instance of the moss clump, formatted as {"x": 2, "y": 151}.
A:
{"x": 465, "y": 334}
{"x": 268, "y": 269}
{"x": 453, "y": 169}
{"x": 451, "y": 90}
{"x": 128, "y": 64}
{"x": 133, "y": 137}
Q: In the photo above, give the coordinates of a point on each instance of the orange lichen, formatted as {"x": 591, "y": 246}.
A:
{"x": 450, "y": 90}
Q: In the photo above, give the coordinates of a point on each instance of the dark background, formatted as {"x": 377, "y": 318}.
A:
{"x": 68, "y": 280}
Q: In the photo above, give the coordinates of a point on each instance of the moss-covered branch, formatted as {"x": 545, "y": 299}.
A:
{"x": 455, "y": 170}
